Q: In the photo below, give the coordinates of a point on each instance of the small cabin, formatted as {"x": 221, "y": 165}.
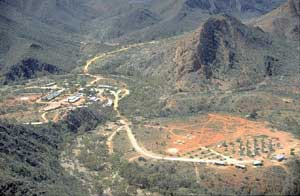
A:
{"x": 280, "y": 157}
{"x": 51, "y": 84}
{"x": 73, "y": 99}
{"x": 257, "y": 163}
{"x": 52, "y": 95}
{"x": 94, "y": 99}
{"x": 220, "y": 163}
{"x": 240, "y": 166}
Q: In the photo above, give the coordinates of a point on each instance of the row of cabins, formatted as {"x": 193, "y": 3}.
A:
{"x": 257, "y": 163}
{"x": 240, "y": 166}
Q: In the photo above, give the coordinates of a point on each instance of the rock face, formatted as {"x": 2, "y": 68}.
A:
{"x": 29, "y": 68}
{"x": 217, "y": 47}
{"x": 283, "y": 22}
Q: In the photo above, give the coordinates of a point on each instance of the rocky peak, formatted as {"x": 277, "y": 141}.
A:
{"x": 219, "y": 41}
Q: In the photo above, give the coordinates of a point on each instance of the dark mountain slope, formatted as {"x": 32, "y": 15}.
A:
{"x": 176, "y": 16}
{"x": 63, "y": 14}
{"x": 29, "y": 163}
{"x": 28, "y": 69}
{"x": 23, "y": 36}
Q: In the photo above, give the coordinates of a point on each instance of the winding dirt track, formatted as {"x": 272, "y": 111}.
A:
{"x": 125, "y": 124}
{"x": 152, "y": 155}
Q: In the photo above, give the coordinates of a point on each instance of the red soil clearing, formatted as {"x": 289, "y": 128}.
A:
{"x": 215, "y": 128}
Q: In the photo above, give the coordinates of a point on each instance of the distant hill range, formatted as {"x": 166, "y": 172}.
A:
{"x": 53, "y": 31}
{"x": 155, "y": 18}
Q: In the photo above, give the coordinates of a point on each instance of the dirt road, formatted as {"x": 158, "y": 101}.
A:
{"x": 125, "y": 124}
{"x": 152, "y": 155}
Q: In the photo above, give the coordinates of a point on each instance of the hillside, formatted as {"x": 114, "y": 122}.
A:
{"x": 174, "y": 16}
{"x": 149, "y": 97}
{"x": 26, "y": 33}
{"x": 283, "y": 22}
{"x": 219, "y": 51}
{"x": 29, "y": 163}
{"x": 63, "y": 32}
{"x": 65, "y": 14}
{"x": 222, "y": 53}
{"x": 28, "y": 69}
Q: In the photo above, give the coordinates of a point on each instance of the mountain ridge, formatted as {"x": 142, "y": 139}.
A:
{"x": 283, "y": 22}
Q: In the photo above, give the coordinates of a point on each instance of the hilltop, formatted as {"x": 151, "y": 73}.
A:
{"x": 230, "y": 53}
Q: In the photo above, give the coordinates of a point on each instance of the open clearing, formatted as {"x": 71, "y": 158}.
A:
{"x": 232, "y": 136}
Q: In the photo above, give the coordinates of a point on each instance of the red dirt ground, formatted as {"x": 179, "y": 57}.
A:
{"x": 214, "y": 128}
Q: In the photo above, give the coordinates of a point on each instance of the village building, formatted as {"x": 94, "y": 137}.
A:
{"x": 52, "y": 95}
{"x": 94, "y": 99}
{"x": 280, "y": 157}
{"x": 108, "y": 104}
{"x": 105, "y": 86}
{"x": 51, "y": 84}
{"x": 240, "y": 166}
{"x": 220, "y": 163}
{"x": 73, "y": 99}
{"x": 257, "y": 163}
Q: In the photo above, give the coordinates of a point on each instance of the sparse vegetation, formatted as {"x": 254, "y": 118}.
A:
{"x": 225, "y": 92}
{"x": 31, "y": 155}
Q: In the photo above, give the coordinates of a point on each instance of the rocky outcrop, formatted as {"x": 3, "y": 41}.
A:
{"x": 271, "y": 65}
{"x": 29, "y": 68}
{"x": 216, "y": 47}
